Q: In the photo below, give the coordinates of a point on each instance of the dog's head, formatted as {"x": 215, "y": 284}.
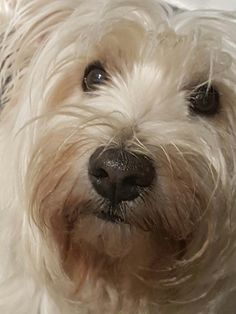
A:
{"x": 125, "y": 111}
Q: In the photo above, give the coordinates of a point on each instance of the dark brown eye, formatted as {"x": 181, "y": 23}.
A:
{"x": 94, "y": 76}
{"x": 204, "y": 100}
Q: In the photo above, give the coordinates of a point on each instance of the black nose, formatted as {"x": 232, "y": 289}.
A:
{"x": 118, "y": 175}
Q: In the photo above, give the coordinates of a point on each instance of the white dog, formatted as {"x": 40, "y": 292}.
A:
{"x": 118, "y": 158}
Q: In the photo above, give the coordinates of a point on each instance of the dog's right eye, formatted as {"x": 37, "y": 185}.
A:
{"x": 204, "y": 100}
{"x": 94, "y": 76}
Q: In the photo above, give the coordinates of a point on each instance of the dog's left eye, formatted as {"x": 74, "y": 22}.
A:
{"x": 204, "y": 100}
{"x": 94, "y": 75}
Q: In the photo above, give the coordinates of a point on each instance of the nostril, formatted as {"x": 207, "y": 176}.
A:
{"x": 138, "y": 180}
{"x": 98, "y": 173}
{"x": 132, "y": 180}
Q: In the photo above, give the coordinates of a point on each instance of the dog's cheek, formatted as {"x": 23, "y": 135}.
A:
{"x": 54, "y": 182}
{"x": 184, "y": 193}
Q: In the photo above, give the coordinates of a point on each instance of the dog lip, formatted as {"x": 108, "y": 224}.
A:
{"x": 110, "y": 217}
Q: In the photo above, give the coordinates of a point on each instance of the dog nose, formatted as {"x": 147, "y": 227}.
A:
{"x": 118, "y": 175}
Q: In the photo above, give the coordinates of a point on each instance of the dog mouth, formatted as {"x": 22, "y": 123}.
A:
{"x": 110, "y": 216}
{"x": 103, "y": 210}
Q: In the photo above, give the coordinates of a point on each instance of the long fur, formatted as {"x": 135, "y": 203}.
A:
{"x": 177, "y": 252}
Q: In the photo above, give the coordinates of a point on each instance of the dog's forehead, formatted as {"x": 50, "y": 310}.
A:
{"x": 127, "y": 31}
{"x": 136, "y": 52}
{"x": 130, "y": 31}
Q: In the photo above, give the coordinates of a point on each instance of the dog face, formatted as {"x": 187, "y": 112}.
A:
{"x": 124, "y": 112}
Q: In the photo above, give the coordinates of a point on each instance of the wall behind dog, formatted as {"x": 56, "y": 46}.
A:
{"x": 204, "y": 4}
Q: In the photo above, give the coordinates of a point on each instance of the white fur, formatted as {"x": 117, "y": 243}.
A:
{"x": 49, "y": 128}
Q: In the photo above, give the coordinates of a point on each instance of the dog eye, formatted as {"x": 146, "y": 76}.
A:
{"x": 94, "y": 75}
{"x": 204, "y": 100}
